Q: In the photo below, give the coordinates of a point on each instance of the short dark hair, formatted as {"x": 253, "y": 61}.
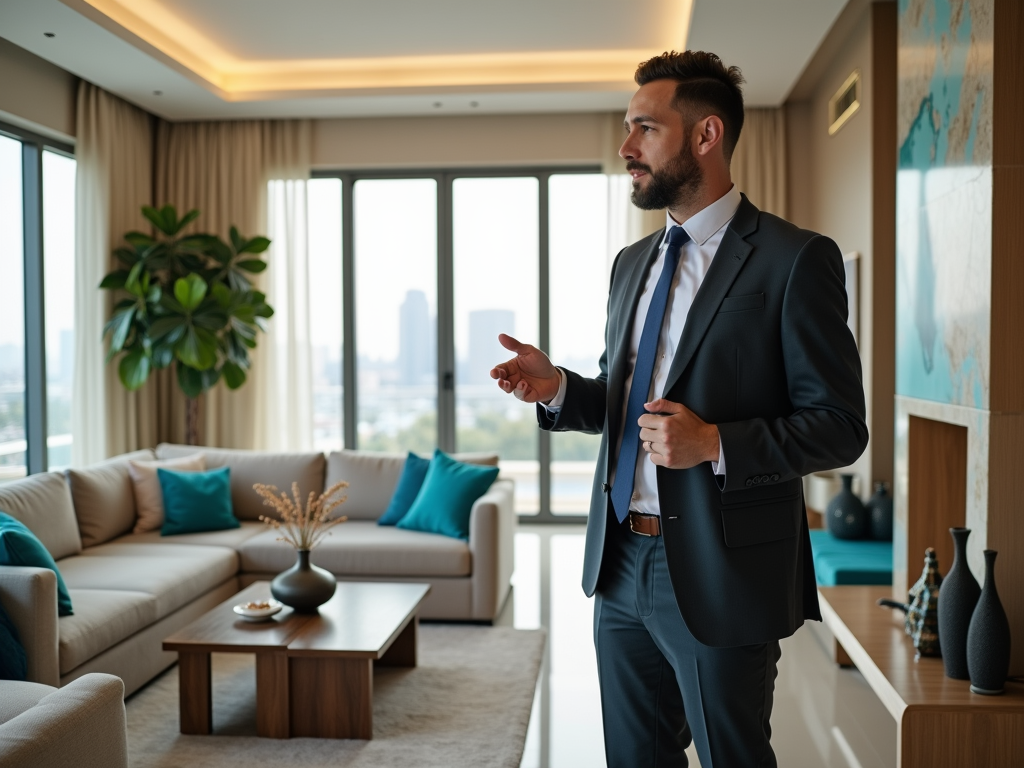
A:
{"x": 705, "y": 86}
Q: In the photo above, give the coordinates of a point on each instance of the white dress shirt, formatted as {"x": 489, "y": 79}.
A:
{"x": 706, "y": 229}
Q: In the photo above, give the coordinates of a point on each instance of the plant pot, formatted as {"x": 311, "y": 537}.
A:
{"x": 304, "y": 586}
{"x": 845, "y": 514}
{"x": 988, "y": 637}
{"x": 879, "y": 508}
{"x": 957, "y": 600}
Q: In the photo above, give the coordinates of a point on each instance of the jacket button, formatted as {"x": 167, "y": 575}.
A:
{"x": 765, "y": 478}
{"x": 749, "y": 482}
{"x": 756, "y": 479}
{"x": 605, "y": 487}
{"x": 775, "y": 478}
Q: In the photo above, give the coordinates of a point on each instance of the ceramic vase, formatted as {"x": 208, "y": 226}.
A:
{"x": 988, "y": 637}
{"x": 957, "y": 599}
{"x": 304, "y": 586}
{"x": 846, "y": 516}
{"x": 879, "y": 508}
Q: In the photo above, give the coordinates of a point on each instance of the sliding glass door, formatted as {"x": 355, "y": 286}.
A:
{"x": 12, "y": 314}
{"x": 414, "y": 276}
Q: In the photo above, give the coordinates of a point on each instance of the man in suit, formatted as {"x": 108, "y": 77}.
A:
{"x": 729, "y": 373}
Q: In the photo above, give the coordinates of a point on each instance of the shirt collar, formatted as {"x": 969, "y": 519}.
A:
{"x": 707, "y": 221}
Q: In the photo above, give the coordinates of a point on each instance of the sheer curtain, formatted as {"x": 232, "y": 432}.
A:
{"x": 223, "y": 169}
{"x": 114, "y": 150}
{"x": 288, "y": 360}
{"x": 759, "y": 162}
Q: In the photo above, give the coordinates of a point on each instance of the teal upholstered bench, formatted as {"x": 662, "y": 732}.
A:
{"x": 841, "y": 561}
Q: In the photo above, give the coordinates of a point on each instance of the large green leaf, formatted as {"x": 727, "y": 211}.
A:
{"x": 166, "y": 327}
{"x": 119, "y": 325}
{"x": 185, "y": 220}
{"x": 139, "y": 239}
{"x": 190, "y": 381}
{"x": 115, "y": 279}
{"x": 236, "y": 239}
{"x": 133, "y": 369}
{"x": 257, "y": 245}
{"x": 197, "y": 349}
{"x": 252, "y": 265}
{"x": 190, "y": 291}
{"x": 234, "y": 376}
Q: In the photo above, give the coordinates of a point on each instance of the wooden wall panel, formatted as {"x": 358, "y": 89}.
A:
{"x": 937, "y": 492}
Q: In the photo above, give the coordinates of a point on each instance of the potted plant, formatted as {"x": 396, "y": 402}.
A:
{"x": 190, "y": 303}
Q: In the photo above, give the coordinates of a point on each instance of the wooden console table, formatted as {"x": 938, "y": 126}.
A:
{"x": 939, "y": 721}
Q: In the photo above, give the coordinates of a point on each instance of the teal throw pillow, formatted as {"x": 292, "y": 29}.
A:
{"x": 409, "y": 484}
{"x": 19, "y": 546}
{"x": 447, "y": 496}
{"x": 13, "y": 663}
{"x": 196, "y": 501}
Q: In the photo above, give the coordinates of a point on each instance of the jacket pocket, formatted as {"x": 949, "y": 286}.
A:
{"x": 741, "y": 303}
{"x": 758, "y": 522}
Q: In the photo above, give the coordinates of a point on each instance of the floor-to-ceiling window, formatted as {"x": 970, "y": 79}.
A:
{"x": 415, "y": 274}
{"x": 37, "y": 263}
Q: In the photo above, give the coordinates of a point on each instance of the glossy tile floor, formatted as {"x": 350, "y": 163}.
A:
{"x": 824, "y": 717}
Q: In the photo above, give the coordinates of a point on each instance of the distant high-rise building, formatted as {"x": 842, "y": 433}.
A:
{"x": 485, "y": 351}
{"x": 415, "y": 339}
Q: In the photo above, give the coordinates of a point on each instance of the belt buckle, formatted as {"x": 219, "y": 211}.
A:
{"x": 634, "y": 530}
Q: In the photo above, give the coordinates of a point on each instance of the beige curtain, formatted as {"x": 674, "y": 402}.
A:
{"x": 114, "y": 151}
{"x": 223, "y": 169}
{"x": 759, "y": 162}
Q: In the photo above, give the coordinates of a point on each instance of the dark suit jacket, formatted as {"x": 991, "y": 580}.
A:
{"x": 767, "y": 356}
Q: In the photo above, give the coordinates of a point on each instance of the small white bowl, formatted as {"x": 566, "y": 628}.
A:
{"x": 258, "y": 614}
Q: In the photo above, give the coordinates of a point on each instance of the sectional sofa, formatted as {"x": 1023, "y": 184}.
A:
{"x": 130, "y": 591}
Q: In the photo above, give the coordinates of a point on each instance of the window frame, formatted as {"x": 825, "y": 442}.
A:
{"x": 32, "y": 147}
{"x": 445, "y": 178}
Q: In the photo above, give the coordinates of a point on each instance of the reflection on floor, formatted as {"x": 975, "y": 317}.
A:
{"x": 824, "y": 717}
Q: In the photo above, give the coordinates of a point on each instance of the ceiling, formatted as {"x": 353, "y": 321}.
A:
{"x": 222, "y": 59}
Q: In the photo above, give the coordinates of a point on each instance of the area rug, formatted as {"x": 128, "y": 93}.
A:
{"x": 466, "y": 704}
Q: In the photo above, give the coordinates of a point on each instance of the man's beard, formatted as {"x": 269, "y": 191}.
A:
{"x": 669, "y": 187}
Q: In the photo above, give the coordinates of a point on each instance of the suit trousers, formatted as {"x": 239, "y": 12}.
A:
{"x": 660, "y": 687}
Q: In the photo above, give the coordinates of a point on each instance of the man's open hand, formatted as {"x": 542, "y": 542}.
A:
{"x": 675, "y": 437}
{"x": 529, "y": 375}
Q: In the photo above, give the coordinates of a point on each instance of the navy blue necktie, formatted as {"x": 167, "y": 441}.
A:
{"x": 643, "y": 370}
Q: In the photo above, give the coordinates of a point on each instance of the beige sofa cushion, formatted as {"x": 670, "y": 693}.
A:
{"x": 249, "y": 467}
{"x": 174, "y": 574}
{"x": 231, "y": 538}
{"x": 104, "y": 499}
{"x": 149, "y": 496}
{"x": 17, "y": 696}
{"x": 43, "y": 504}
{"x": 363, "y": 548}
{"x": 373, "y": 477}
{"x": 103, "y": 618}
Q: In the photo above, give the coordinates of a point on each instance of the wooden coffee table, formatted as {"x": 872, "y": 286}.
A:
{"x": 314, "y": 673}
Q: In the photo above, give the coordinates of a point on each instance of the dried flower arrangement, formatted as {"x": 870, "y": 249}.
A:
{"x": 302, "y": 528}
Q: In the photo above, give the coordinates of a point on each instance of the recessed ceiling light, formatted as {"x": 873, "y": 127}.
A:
{"x": 437, "y": 105}
{"x": 474, "y": 103}
{"x": 158, "y": 93}
{"x": 49, "y": 34}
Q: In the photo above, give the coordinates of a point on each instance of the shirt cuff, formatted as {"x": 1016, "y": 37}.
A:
{"x": 718, "y": 467}
{"x": 554, "y": 405}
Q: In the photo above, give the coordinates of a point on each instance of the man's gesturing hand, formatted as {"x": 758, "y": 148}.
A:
{"x": 675, "y": 437}
{"x": 529, "y": 375}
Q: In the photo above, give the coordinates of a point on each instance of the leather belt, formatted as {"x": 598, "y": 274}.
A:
{"x": 645, "y": 525}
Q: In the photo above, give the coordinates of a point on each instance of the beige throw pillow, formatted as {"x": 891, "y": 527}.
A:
{"x": 149, "y": 498}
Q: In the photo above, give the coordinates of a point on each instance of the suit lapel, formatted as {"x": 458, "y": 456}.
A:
{"x": 729, "y": 260}
{"x": 622, "y": 331}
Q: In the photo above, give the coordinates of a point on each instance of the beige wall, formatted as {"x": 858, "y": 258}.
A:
{"x": 831, "y": 191}
{"x": 35, "y": 94}
{"x": 471, "y": 140}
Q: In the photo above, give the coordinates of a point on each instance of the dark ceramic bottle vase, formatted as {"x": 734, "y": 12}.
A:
{"x": 988, "y": 638}
{"x": 879, "y": 508}
{"x": 304, "y": 586}
{"x": 845, "y": 513}
{"x": 957, "y": 599}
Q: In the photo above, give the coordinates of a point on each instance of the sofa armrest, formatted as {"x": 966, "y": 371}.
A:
{"x": 492, "y": 530}
{"x": 81, "y": 725}
{"x": 29, "y": 595}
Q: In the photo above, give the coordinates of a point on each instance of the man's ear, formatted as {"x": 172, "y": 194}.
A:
{"x": 711, "y": 132}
